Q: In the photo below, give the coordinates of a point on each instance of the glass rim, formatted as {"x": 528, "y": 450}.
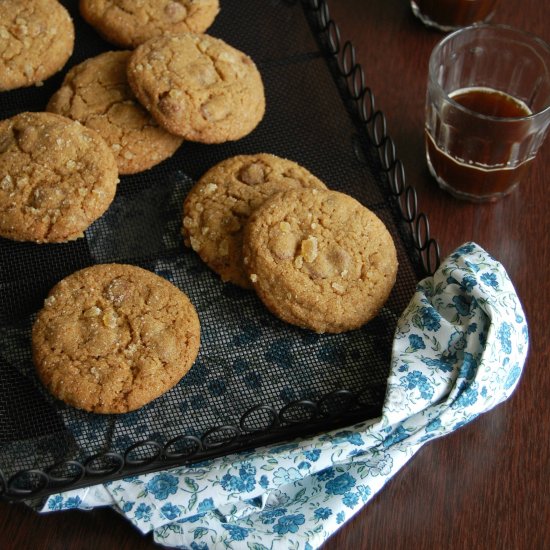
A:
{"x": 479, "y": 27}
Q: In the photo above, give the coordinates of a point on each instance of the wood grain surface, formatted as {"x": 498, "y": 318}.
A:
{"x": 488, "y": 484}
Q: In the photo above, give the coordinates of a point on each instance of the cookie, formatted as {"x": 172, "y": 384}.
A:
{"x": 319, "y": 259}
{"x": 111, "y": 338}
{"x": 36, "y": 40}
{"x": 217, "y": 208}
{"x": 198, "y": 87}
{"x": 97, "y": 94}
{"x": 56, "y": 178}
{"x": 128, "y": 23}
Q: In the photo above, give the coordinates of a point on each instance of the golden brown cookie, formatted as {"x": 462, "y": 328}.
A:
{"x": 36, "y": 40}
{"x": 56, "y": 178}
{"x": 217, "y": 208}
{"x": 128, "y": 23}
{"x": 113, "y": 337}
{"x": 97, "y": 94}
{"x": 198, "y": 87}
{"x": 319, "y": 259}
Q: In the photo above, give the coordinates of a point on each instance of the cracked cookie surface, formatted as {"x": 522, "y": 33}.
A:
{"x": 198, "y": 87}
{"x": 36, "y": 40}
{"x": 128, "y": 23}
{"x": 56, "y": 178}
{"x": 97, "y": 94}
{"x": 113, "y": 337}
{"x": 217, "y": 208}
{"x": 319, "y": 259}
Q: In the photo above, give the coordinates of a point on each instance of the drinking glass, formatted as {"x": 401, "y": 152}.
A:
{"x": 487, "y": 109}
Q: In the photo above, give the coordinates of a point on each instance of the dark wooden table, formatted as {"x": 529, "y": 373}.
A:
{"x": 488, "y": 484}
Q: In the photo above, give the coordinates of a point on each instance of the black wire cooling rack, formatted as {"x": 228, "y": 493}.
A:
{"x": 256, "y": 380}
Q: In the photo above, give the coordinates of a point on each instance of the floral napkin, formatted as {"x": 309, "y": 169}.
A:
{"x": 458, "y": 351}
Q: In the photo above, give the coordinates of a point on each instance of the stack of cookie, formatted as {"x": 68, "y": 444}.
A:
{"x": 195, "y": 86}
{"x": 172, "y": 88}
{"x": 111, "y": 338}
{"x": 216, "y": 210}
{"x": 178, "y": 84}
{"x": 317, "y": 258}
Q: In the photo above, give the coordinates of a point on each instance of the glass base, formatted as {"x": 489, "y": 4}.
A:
{"x": 467, "y": 196}
{"x": 441, "y": 27}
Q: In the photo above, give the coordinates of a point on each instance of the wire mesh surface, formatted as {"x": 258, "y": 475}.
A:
{"x": 248, "y": 358}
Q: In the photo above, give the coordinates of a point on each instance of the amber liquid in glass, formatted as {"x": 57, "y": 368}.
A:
{"x": 491, "y": 103}
{"x": 488, "y": 175}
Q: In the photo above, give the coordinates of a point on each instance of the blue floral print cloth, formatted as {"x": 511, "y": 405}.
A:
{"x": 458, "y": 351}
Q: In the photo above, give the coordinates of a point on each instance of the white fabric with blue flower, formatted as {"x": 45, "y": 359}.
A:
{"x": 458, "y": 351}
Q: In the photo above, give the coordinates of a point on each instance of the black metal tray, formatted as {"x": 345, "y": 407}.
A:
{"x": 256, "y": 380}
